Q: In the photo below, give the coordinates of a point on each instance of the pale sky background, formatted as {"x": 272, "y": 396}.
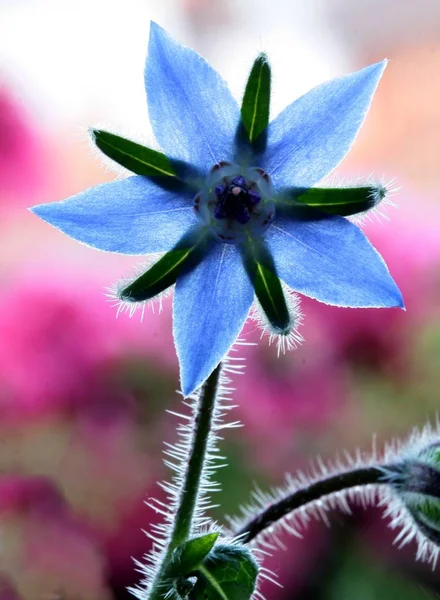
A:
{"x": 79, "y": 63}
{"x": 72, "y": 59}
{"x": 86, "y": 57}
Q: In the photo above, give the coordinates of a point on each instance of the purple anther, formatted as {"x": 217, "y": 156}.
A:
{"x": 219, "y": 211}
{"x": 253, "y": 198}
{"x": 235, "y": 200}
{"x": 239, "y": 180}
{"x": 243, "y": 215}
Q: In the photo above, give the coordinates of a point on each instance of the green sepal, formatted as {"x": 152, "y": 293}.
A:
{"x": 134, "y": 157}
{"x": 339, "y": 201}
{"x": 159, "y": 277}
{"x": 427, "y": 510}
{"x": 271, "y": 297}
{"x": 256, "y": 100}
{"x": 268, "y": 289}
{"x": 227, "y": 573}
{"x": 188, "y": 556}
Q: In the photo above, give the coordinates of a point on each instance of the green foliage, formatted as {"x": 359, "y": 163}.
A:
{"x": 134, "y": 157}
{"x": 431, "y": 456}
{"x": 187, "y": 557}
{"x": 427, "y": 510}
{"x": 227, "y": 573}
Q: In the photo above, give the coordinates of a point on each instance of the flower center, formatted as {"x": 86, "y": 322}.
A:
{"x": 236, "y": 203}
{"x": 235, "y": 200}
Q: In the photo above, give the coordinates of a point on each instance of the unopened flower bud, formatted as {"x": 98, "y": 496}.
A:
{"x": 416, "y": 483}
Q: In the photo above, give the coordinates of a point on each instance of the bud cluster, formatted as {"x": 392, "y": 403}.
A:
{"x": 414, "y": 505}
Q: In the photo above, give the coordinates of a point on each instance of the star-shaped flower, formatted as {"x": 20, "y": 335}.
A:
{"x": 232, "y": 205}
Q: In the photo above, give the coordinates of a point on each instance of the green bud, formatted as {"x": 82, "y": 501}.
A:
{"x": 187, "y": 557}
{"x": 229, "y": 572}
{"x": 414, "y": 505}
{"x": 418, "y": 485}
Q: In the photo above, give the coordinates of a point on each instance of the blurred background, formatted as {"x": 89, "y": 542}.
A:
{"x": 83, "y": 394}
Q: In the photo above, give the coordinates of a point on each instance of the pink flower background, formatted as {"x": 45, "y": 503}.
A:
{"x": 83, "y": 394}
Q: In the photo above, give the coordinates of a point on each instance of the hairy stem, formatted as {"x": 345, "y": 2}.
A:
{"x": 196, "y": 460}
{"x": 312, "y": 493}
{"x": 190, "y": 488}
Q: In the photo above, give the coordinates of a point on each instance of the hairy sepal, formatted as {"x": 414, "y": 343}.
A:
{"x": 229, "y": 572}
{"x": 256, "y": 100}
{"x": 279, "y": 315}
{"x": 132, "y": 156}
{"x": 289, "y": 338}
{"x": 270, "y": 294}
{"x": 188, "y": 556}
{"x": 154, "y": 280}
{"x": 114, "y": 292}
{"x": 342, "y": 201}
{"x": 162, "y": 275}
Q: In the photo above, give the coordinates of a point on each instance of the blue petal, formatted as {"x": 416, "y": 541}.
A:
{"x": 330, "y": 259}
{"x": 193, "y": 114}
{"x": 130, "y": 216}
{"x": 211, "y": 304}
{"x": 314, "y": 133}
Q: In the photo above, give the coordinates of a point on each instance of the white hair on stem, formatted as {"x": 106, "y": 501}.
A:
{"x": 294, "y": 522}
{"x": 386, "y": 494}
{"x": 176, "y": 459}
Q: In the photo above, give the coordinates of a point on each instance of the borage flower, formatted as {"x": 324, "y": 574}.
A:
{"x": 231, "y": 203}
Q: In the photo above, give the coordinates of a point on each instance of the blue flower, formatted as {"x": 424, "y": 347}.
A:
{"x": 232, "y": 203}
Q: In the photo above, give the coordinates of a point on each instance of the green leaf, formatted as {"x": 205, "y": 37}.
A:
{"x": 227, "y": 573}
{"x": 134, "y": 157}
{"x": 256, "y": 99}
{"x": 159, "y": 277}
{"x": 340, "y": 201}
{"x": 187, "y": 557}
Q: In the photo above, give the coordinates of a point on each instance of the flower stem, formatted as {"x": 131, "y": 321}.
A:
{"x": 191, "y": 481}
{"x": 316, "y": 491}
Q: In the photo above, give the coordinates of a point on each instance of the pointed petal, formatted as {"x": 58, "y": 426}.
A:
{"x": 314, "y": 133}
{"x": 211, "y": 304}
{"x": 130, "y": 216}
{"x": 330, "y": 259}
{"x": 193, "y": 114}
